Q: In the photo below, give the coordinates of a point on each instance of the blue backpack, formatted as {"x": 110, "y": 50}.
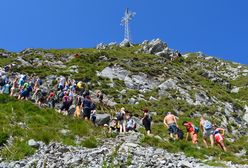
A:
{"x": 207, "y": 125}
{"x": 196, "y": 129}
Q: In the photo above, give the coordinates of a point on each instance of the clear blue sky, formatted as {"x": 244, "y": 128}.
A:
{"x": 215, "y": 27}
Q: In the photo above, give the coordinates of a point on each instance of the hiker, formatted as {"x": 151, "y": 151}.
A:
{"x": 130, "y": 123}
{"x": 99, "y": 95}
{"x": 14, "y": 87}
{"x": 207, "y": 129}
{"x": 87, "y": 107}
{"x": 51, "y": 99}
{"x": 80, "y": 88}
{"x": 219, "y": 137}
{"x": 6, "y": 88}
{"x": 121, "y": 119}
{"x": 65, "y": 103}
{"x": 22, "y": 81}
{"x": 170, "y": 122}
{"x": 25, "y": 91}
{"x": 93, "y": 113}
{"x": 61, "y": 84}
{"x": 39, "y": 97}
{"x": 192, "y": 130}
{"x": 146, "y": 121}
{"x": 78, "y": 106}
{"x": 114, "y": 126}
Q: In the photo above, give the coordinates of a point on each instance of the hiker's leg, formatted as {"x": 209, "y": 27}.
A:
{"x": 205, "y": 142}
{"x": 211, "y": 140}
{"x": 222, "y": 145}
{"x": 121, "y": 128}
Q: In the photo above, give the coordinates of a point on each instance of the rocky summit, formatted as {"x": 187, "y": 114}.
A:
{"x": 150, "y": 75}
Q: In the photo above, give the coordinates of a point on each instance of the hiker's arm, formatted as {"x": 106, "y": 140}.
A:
{"x": 175, "y": 119}
{"x": 165, "y": 122}
{"x": 223, "y": 131}
{"x": 187, "y": 136}
{"x": 201, "y": 127}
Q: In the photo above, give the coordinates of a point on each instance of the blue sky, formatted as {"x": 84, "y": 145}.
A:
{"x": 215, "y": 27}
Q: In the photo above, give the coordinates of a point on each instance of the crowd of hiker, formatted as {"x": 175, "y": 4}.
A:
{"x": 62, "y": 95}
{"x": 66, "y": 93}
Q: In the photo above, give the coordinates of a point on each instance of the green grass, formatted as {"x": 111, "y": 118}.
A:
{"x": 41, "y": 125}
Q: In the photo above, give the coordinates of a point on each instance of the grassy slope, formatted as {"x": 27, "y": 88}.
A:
{"x": 40, "y": 124}
{"x": 89, "y": 63}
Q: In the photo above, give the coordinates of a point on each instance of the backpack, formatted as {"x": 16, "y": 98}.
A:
{"x": 180, "y": 134}
{"x": 119, "y": 116}
{"x": 207, "y": 125}
{"x": 196, "y": 129}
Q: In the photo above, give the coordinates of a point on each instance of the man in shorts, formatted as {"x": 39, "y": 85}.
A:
{"x": 170, "y": 121}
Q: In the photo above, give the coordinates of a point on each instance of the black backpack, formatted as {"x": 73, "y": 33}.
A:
{"x": 180, "y": 134}
{"x": 119, "y": 116}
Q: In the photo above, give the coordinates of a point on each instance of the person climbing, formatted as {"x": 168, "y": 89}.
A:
{"x": 207, "y": 129}
{"x": 65, "y": 103}
{"x": 146, "y": 121}
{"x": 78, "y": 107}
{"x": 130, "y": 123}
{"x": 120, "y": 115}
{"x": 192, "y": 130}
{"x": 25, "y": 91}
{"x": 61, "y": 84}
{"x": 170, "y": 121}
{"x": 14, "y": 87}
{"x": 6, "y": 88}
{"x": 219, "y": 137}
{"x": 87, "y": 107}
{"x": 51, "y": 99}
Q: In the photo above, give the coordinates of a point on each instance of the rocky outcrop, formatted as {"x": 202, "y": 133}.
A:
{"x": 139, "y": 81}
{"x": 123, "y": 151}
{"x": 156, "y": 47}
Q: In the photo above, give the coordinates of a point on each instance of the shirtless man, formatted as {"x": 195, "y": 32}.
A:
{"x": 170, "y": 122}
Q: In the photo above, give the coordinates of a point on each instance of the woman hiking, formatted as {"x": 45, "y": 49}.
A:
{"x": 192, "y": 131}
{"x": 219, "y": 137}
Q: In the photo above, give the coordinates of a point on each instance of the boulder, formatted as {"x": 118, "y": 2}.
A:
{"x": 245, "y": 117}
{"x": 101, "y": 46}
{"x": 169, "y": 84}
{"x": 235, "y": 90}
{"x": 125, "y": 43}
{"x": 32, "y": 143}
{"x": 102, "y": 119}
{"x": 228, "y": 109}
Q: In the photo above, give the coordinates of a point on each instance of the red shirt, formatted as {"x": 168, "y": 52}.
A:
{"x": 189, "y": 126}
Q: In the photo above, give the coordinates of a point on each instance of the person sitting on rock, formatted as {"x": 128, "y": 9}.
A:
{"x": 114, "y": 126}
{"x": 146, "y": 121}
{"x": 120, "y": 115}
{"x": 219, "y": 137}
{"x": 192, "y": 130}
{"x": 170, "y": 121}
{"x": 130, "y": 123}
{"x": 207, "y": 129}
